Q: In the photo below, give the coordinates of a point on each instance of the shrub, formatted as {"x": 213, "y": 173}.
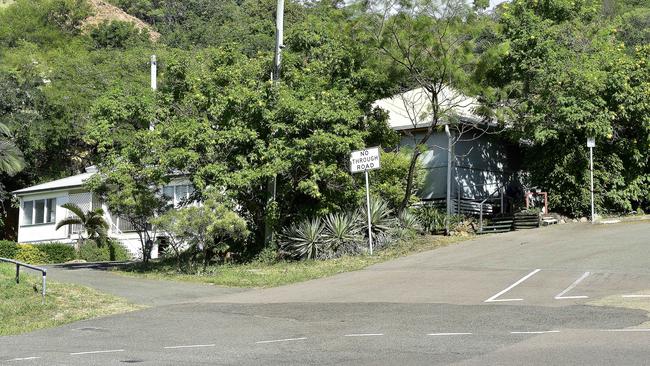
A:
{"x": 30, "y": 254}
{"x": 112, "y": 251}
{"x": 431, "y": 218}
{"x": 57, "y": 252}
{"x": 304, "y": 240}
{"x": 8, "y": 249}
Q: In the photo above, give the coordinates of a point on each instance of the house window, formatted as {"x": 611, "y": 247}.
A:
{"x": 39, "y": 211}
{"x": 177, "y": 194}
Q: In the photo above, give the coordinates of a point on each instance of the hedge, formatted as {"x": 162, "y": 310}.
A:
{"x": 90, "y": 252}
{"x": 60, "y": 253}
{"x": 30, "y": 254}
{"x": 8, "y": 249}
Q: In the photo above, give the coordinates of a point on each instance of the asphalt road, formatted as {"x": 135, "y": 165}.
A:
{"x": 564, "y": 295}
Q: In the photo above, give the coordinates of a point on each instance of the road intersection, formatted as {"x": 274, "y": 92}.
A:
{"x": 570, "y": 295}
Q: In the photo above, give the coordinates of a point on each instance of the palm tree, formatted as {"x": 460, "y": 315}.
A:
{"x": 11, "y": 158}
{"x": 92, "y": 222}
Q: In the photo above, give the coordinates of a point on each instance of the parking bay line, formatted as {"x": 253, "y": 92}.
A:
{"x": 494, "y": 298}
{"x": 626, "y": 330}
{"x": 190, "y": 346}
{"x": 93, "y": 352}
{"x": 281, "y": 340}
{"x": 636, "y": 296}
{"x": 23, "y": 359}
{"x": 364, "y": 335}
{"x": 537, "y": 332}
{"x": 561, "y": 296}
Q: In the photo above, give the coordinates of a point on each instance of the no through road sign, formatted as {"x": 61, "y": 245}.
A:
{"x": 363, "y": 160}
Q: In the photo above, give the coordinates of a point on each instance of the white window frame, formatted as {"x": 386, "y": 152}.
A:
{"x": 49, "y": 206}
{"x": 176, "y": 199}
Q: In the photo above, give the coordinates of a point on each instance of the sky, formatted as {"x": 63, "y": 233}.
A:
{"x": 496, "y": 2}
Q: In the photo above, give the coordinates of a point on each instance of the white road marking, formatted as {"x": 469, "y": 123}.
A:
{"x": 190, "y": 346}
{"x": 282, "y": 340}
{"x": 93, "y": 352}
{"x": 626, "y": 330}
{"x": 537, "y": 332}
{"x": 561, "y": 296}
{"x": 447, "y": 334}
{"x": 364, "y": 335}
{"x": 635, "y": 296}
{"x": 494, "y": 298}
{"x": 23, "y": 359}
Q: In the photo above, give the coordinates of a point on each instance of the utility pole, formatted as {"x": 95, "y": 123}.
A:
{"x": 591, "y": 143}
{"x": 154, "y": 82}
{"x": 277, "y": 62}
{"x": 450, "y": 155}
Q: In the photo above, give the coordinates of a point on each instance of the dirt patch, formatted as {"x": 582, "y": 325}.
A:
{"x": 107, "y": 12}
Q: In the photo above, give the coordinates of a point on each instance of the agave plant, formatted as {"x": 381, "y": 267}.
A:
{"x": 340, "y": 229}
{"x": 305, "y": 239}
{"x": 408, "y": 220}
{"x": 379, "y": 215}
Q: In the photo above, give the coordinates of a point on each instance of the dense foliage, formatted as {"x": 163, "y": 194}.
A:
{"x": 556, "y": 71}
{"x": 570, "y": 75}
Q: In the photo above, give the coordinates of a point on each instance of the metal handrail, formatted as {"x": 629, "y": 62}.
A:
{"x": 499, "y": 189}
{"x": 18, "y": 264}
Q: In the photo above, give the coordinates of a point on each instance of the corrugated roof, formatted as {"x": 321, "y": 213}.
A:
{"x": 412, "y": 109}
{"x": 68, "y": 182}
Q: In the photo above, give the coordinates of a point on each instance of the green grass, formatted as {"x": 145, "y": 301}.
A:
{"x": 262, "y": 275}
{"x": 4, "y": 3}
{"x": 21, "y": 309}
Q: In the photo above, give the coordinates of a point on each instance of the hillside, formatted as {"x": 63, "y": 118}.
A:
{"x": 105, "y": 12}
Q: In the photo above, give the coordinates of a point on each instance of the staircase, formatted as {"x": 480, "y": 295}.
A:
{"x": 526, "y": 221}
{"x": 500, "y": 224}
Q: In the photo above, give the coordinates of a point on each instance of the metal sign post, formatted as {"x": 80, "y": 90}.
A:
{"x": 368, "y": 210}
{"x": 363, "y": 161}
{"x": 591, "y": 143}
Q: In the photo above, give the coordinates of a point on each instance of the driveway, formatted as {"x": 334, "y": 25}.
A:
{"x": 566, "y": 295}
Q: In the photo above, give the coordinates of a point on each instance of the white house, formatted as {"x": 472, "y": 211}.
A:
{"x": 40, "y": 210}
{"x": 466, "y": 161}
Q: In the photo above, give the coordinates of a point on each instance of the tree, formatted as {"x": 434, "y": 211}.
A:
{"x": 130, "y": 180}
{"x": 91, "y": 222}
{"x": 429, "y": 46}
{"x": 571, "y": 78}
{"x": 205, "y": 230}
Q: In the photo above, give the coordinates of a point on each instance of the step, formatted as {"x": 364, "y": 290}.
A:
{"x": 504, "y": 226}
{"x": 496, "y": 231}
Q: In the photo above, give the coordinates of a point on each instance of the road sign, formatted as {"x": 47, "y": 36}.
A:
{"x": 364, "y": 160}
{"x": 591, "y": 142}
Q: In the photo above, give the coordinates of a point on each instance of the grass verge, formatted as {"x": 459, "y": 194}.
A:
{"x": 21, "y": 309}
{"x": 262, "y": 275}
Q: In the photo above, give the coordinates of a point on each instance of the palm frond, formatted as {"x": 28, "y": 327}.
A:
{"x": 11, "y": 158}
{"x": 75, "y": 209}
{"x": 68, "y": 221}
{"x": 4, "y": 130}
